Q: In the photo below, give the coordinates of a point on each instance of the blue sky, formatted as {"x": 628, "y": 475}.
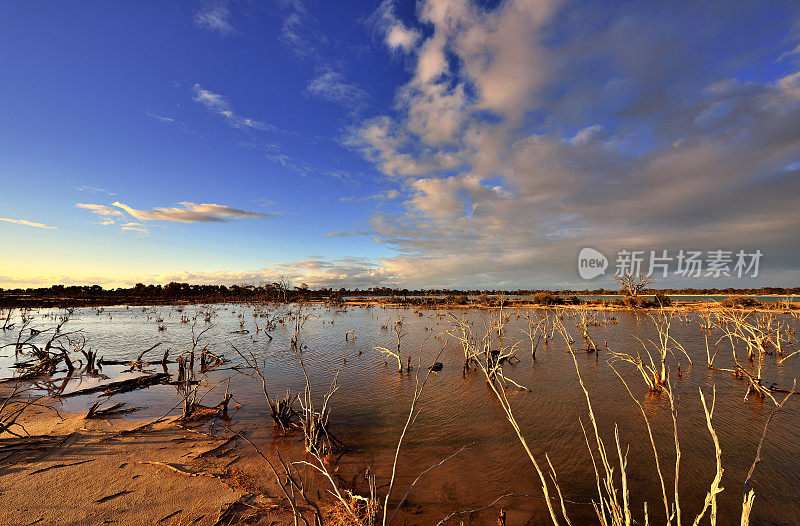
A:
{"x": 439, "y": 143}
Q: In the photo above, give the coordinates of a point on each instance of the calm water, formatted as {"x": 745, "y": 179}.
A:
{"x": 371, "y": 406}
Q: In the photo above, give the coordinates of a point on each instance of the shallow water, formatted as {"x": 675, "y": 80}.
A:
{"x": 371, "y": 407}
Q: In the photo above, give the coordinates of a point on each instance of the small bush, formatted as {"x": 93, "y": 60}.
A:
{"x": 546, "y": 298}
{"x": 460, "y": 300}
{"x": 635, "y": 302}
{"x": 738, "y": 302}
{"x": 662, "y": 300}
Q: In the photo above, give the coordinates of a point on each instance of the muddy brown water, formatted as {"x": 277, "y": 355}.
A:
{"x": 370, "y": 408}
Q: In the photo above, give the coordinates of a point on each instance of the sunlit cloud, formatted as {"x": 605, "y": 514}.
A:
{"x": 189, "y": 212}
{"x": 621, "y": 152}
{"x": 135, "y": 227}
{"x": 101, "y": 210}
{"x": 27, "y": 223}
{"x": 316, "y": 272}
{"x": 106, "y": 213}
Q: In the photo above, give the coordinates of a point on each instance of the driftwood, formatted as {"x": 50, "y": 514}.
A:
{"x": 198, "y": 412}
{"x": 138, "y": 362}
{"x": 95, "y": 411}
{"x": 123, "y": 386}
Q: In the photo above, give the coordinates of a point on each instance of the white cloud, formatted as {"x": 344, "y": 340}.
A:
{"x": 27, "y": 223}
{"x": 386, "y": 195}
{"x": 92, "y": 189}
{"x": 586, "y": 134}
{"x": 313, "y": 271}
{"x": 330, "y": 86}
{"x": 400, "y": 37}
{"x": 215, "y": 16}
{"x": 795, "y": 51}
{"x": 160, "y": 117}
{"x": 216, "y": 103}
{"x": 395, "y": 33}
{"x": 504, "y": 190}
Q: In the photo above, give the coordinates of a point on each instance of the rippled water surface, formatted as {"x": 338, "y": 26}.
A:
{"x": 371, "y": 406}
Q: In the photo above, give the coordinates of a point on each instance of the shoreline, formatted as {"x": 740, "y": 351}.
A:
{"x": 677, "y": 305}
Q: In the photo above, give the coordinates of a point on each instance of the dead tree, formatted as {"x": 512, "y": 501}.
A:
{"x": 318, "y": 438}
{"x": 282, "y": 411}
{"x": 632, "y": 284}
{"x": 397, "y": 328}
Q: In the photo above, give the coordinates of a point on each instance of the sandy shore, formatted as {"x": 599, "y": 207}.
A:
{"x": 76, "y": 471}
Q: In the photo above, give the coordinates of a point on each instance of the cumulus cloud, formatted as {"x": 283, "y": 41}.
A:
{"x": 27, "y": 223}
{"x": 214, "y": 16}
{"x": 526, "y": 132}
{"x": 314, "y": 271}
{"x": 396, "y": 34}
{"x": 400, "y": 37}
{"x": 396, "y": 152}
{"x": 216, "y": 103}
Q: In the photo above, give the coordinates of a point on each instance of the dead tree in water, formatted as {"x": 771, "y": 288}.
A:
{"x": 534, "y": 332}
{"x": 282, "y": 411}
{"x": 654, "y": 373}
{"x": 761, "y": 335}
{"x": 318, "y": 438}
{"x": 299, "y": 318}
{"x": 187, "y": 387}
{"x": 397, "y": 328}
{"x": 461, "y": 330}
{"x": 6, "y": 325}
{"x": 481, "y": 351}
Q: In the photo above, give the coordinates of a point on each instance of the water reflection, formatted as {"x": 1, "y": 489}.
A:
{"x": 457, "y": 410}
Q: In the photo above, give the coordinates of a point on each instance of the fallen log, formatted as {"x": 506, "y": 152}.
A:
{"x": 123, "y": 386}
{"x": 116, "y": 409}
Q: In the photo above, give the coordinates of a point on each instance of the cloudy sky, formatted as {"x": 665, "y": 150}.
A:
{"x": 438, "y": 143}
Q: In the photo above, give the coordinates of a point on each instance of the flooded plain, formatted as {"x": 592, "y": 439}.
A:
{"x": 457, "y": 410}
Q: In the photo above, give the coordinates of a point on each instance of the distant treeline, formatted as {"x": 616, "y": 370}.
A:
{"x": 78, "y": 295}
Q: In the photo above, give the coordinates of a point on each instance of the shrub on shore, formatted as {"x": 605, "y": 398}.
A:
{"x": 662, "y": 300}
{"x": 738, "y": 302}
{"x": 458, "y": 300}
{"x": 546, "y": 298}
